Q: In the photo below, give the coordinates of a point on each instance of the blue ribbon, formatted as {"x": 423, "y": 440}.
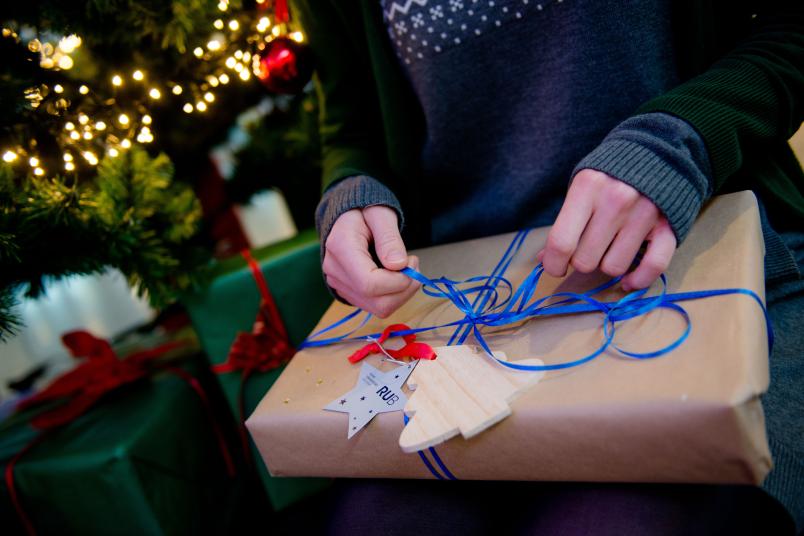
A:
{"x": 495, "y": 302}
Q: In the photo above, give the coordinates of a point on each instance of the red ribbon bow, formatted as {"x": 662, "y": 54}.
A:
{"x": 266, "y": 347}
{"x": 416, "y": 350}
{"x": 262, "y": 349}
{"x": 83, "y": 386}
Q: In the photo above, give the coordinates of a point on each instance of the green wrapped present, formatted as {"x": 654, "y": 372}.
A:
{"x": 143, "y": 460}
{"x": 228, "y": 307}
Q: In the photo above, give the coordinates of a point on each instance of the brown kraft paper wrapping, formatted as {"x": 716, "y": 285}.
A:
{"x": 692, "y": 415}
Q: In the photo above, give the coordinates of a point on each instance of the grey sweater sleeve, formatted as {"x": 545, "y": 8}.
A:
{"x": 359, "y": 191}
{"x": 663, "y": 158}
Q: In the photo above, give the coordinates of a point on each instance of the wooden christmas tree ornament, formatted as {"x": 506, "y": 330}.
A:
{"x": 462, "y": 390}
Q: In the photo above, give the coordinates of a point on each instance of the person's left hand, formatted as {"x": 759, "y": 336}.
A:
{"x": 603, "y": 224}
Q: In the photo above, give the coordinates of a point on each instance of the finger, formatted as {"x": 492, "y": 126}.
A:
{"x": 381, "y": 306}
{"x": 661, "y": 246}
{"x": 626, "y": 244}
{"x": 338, "y": 278}
{"x": 596, "y": 238}
{"x": 615, "y": 203}
{"x": 570, "y": 223}
{"x": 364, "y": 277}
{"x": 347, "y": 257}
{"x": 384, "y": 226}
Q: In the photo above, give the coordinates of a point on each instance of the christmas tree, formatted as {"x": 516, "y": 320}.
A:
{"x": 107, "y": 111}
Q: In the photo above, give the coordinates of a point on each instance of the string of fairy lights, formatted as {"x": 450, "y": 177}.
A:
{"x": 109, "y": 120}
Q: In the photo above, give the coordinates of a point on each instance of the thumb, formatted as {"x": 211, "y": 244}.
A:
{"x": 382, "y": 222}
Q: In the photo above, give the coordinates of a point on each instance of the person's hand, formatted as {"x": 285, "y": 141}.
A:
{"x": 350, "y": 269}
{"x": 603, "y": 224}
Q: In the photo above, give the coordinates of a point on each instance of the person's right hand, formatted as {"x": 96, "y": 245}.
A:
{"x": 350, "y": 269}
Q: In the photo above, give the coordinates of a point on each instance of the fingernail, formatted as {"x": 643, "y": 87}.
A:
{"x": 395, "y": 255}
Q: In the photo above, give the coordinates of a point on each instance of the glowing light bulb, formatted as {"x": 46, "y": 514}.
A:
{"x": 198, "y": 51}
{"x": 146, "y": 119}
{"x": 222, "y": 6}
{"x": 123, "y": 119}
{"x": 83, "y": 90}
{"x": 263, "y": 24}
{"x": 39, "y": 172}
{"x": 69, "y": 166}
{"x": 68, "y": 157}
{"x": 224, "y": 79}
{"x": 58, "y": 88}
{"x": 138, "y": 75}
{"x": 214, "y": 44}
{"x": 125, "y": 144}
{"x": 177, "y": 90}
{"x": 218, "y": 24}
{"x": 297, "y": 36}
{"x": 188, "y": 108}
{"x": 90, "y": 158}
{"x": 87, "y": 135}
{"x": 231, "y": 62}
{"x": 238, "y": 54}
{"x": 112, "y": 152}
{"x": 155, "y": 93}
{"x": 276, "y": 31}
{"x": 201, "y": 106}
{"x": 69, "y": 125}
{"x": 209, "y": 97}
{"x": 66, "y": 63}
{"x": 245, "y": 75}
{"x": 69, "y": 43}
{"x": 83, "y": 119}
{"x": 117, "y": 80}
{"x": 33, "y": 161}
{"x": 75, "y": 135}
{"x": 213, "y": 81}
{"x": 234, "y": 25}
{"x": 100, "y": 125}
{"x": 9, "y": 156}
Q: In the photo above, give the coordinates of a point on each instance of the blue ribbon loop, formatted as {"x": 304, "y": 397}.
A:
{"x": 493, "y": 301}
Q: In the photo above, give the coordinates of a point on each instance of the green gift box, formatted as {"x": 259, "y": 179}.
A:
{"x": 229, "y": 305}
{"x": 143, "y": 460}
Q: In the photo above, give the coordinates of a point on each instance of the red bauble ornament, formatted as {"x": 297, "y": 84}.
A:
{"x": 285, "y": 66}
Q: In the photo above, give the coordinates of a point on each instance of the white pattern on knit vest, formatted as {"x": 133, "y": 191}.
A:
{"x": 396, "y": 8}
{"x": 420, "y": 28}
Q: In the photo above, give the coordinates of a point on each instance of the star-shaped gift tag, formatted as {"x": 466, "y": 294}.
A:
{"x": 375, "y": 392}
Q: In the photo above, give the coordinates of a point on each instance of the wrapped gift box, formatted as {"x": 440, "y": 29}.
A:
{"x": 692, "y": 415}
{"x": 143, "y": 460}
{"x": 229, "y": 305}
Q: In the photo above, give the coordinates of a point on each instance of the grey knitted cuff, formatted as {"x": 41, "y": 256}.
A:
{"x": 359, "y": 191}
{"x": 663, "y": 158}
{"x": 639, "y": 167}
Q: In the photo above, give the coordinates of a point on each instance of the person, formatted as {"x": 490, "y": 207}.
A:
{"x": 449, "y": 119}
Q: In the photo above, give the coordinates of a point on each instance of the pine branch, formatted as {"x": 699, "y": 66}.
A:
{"x": 133, "y": 217}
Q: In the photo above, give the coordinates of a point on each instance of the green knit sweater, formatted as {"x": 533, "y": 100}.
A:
{"x": 744, "y": 94}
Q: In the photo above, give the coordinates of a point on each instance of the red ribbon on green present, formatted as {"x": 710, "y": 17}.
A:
{"x": 82, "y": 387}
{"x": 266, "y": 347}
